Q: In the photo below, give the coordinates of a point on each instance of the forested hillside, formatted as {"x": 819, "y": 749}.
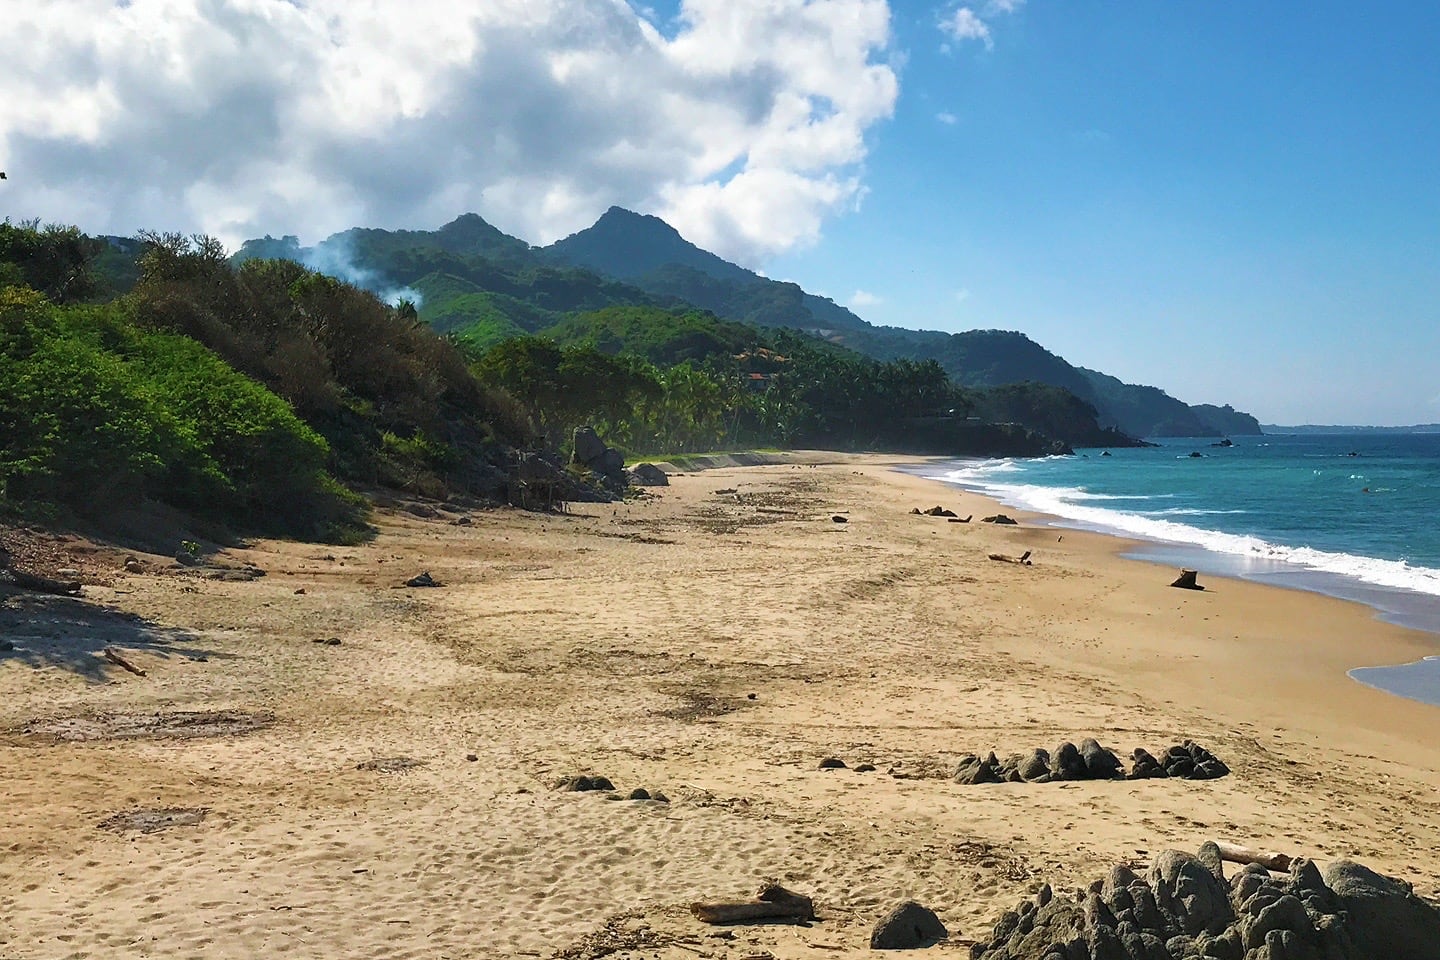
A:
{"x": 648, "y": 253}
{"x": 261, "y": 393}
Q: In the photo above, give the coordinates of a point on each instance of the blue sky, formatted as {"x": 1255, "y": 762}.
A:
{"x": 1239, "y": 203}
{"x": 1236, "y": 202}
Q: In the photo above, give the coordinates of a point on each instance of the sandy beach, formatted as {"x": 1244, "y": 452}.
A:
{"x": 713, "y": 640}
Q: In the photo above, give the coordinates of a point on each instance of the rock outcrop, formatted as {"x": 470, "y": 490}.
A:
{"x": 1184, "y": 908}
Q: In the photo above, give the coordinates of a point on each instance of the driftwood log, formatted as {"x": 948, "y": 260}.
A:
{"x": 38, "y": 584}
{"x": 114, "y": 657}
{"x": 1023, "y": 559}
{"x": 772, "y": 903}
{"x": 1265, "y": 858}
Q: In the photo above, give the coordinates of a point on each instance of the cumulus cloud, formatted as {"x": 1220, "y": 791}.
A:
{"x": 961, "y": 23}
{"x": 947, "y": 118}
{"x": 862, "y": 298}
{"x": 744, "y": 125}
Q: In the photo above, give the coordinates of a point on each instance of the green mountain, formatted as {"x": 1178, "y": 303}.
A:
{"x": 472, "y": 281}
{"x": 653, "y": 256}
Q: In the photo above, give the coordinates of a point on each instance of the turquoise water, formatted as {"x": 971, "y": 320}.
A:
{"x": 1350, "y": 515}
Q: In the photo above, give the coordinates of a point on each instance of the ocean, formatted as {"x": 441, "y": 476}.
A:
{"x": 1348, "y": 515}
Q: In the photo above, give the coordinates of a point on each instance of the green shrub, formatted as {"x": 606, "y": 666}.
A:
{"x": 94, "y": 412}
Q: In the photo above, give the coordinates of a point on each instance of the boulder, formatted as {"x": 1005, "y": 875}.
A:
{"x": 648, "y": 475}
{"x": 1000, "y": 518}
{"x": 1100, "y": 764}
{"x": 1385, "y": 918}
{"x": 1186, "y": 890}
{"x": 612, "y": 462}
{"x": 1034, "y": 766}
{"x": 973, "y": 770}
{"x": 908, "y": 926}
{"x": 589, "y": 449}
{"x": 1066, "y": 763}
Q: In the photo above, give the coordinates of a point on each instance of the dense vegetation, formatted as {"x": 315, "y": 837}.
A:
{"x": 261, "y": 390}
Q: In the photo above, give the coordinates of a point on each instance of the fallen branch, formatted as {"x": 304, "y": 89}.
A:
{"x": 1265, "y": 858}
{"x": 773, "y": 902}
{"x": 115, "y": 658}
{"x": 1023, "y": 559}
{"x": 29, "y": 581}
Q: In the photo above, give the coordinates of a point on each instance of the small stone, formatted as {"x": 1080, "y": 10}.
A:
{"x": 658, "y": 797}
{"x": 864, "y": 767}
{"x": 423, "y": 580}
{"x": 832, "y": 763}
{"x": 639, "y": 793}
{"x": 586, "y": 784}
{"x": 300, "y": 592}
{"x": 749, "y": 696}
{"x": 471, "y": 757}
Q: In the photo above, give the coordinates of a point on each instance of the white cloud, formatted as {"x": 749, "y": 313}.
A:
{"x": 947, "y": 118}
{"x": 745, "y": 127}
{"x": 861, "y": 298}
{"x": 962, "y": 23}
{"x": 962, "y": 295}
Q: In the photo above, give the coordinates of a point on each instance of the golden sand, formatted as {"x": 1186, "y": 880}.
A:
{"x": 713, "y": 646}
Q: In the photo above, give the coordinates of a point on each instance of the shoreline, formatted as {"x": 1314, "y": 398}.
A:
{"x": 1412, "y": 680}
{"x": 713, "y": 640}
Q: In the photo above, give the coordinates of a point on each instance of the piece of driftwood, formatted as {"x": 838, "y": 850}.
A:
{"x": 1268, "y": 859}
{"x": 114, "y": 657}
{"x": 1023, "y": 559}
{"x": 30, "y": 581}
{"x": 960, "y": 519}
{"x": 1186, "y": 581}
{"x": 773, "y": 903}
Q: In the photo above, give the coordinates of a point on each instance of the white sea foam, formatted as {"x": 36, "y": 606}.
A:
{"x": 1075, "y": 505}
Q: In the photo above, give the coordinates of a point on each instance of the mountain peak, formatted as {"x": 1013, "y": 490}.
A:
{"x": 626, "y": 244}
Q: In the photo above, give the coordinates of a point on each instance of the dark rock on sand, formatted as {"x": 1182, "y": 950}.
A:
{"x": 1066, "y": 763}
{"x": 648, "y": 475}
{"x": 832, "y": 763}
{"x": 639, "y": 793}
{"x": 586, "y": 783}
{"x": 423, "y": 580}
{"x": 1145, "y": 766}
{"x": 589, "y": 448}
{"x": 1386, "y": 919}
{"x": 972, "y": 770}
{"x": 1183, "y": 910}
{"x": 1000, "y": 518}
{"x": 908, "y": 926}
{"x": 1100, "y": 763}
{"x": 1034, "y": 767}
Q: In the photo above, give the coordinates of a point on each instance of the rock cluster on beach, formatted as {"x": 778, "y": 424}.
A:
{"x": 1184, "y": 907}
{"x": 1090, "y": 761}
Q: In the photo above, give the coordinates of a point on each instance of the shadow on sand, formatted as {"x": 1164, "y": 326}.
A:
{"x": 71, "y": 633}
